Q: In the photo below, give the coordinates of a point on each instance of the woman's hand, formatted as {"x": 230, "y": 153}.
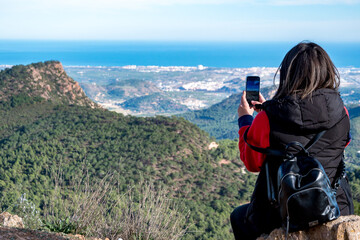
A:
{"x": 261, "y": 101}
{"x": 244, "y": 108}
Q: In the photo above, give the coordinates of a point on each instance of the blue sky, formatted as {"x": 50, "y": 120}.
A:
{"x": 181, "y": 20}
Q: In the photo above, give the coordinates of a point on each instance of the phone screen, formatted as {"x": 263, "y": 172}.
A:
{"x": 252, "y": 88}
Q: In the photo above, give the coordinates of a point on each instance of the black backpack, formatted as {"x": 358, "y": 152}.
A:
{"x": 303, "y": 193}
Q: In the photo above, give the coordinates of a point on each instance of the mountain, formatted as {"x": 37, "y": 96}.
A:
{"x": 125, "y": 89}
{"x": 157, "y": 103}
{"x": 353, "y": 150}
{"x": 47, "y": 81}
{"x": 354, "y": 111}
{"x": 220, "y": 120}
{"x": 53, "y": 135}
{"x": 131, "y": 88}
{"x": 50, "y": 132}
{"x": 136, "y": 96}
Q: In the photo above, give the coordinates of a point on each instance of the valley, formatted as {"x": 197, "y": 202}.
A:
{"x": 54, "y": 137}
{"x": 177, "y": 89}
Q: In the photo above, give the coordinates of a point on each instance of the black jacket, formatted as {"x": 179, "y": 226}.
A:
{"x": 295, "y": 119}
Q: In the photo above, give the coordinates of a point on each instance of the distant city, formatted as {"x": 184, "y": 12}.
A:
{"x": 167, "y": 90}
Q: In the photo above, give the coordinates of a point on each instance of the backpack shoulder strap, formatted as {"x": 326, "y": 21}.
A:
{"x": 340, "y": 174}
{"x": 267, "y": 151}
{"x": 279, "y": 153}
{"x": 314, "y": 140}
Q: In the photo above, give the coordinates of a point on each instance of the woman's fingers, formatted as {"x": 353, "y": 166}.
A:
{"x": 244, "y": 108}
{"x": 255, "y": 107}
{"x": 261, "y": 98}
{"x": 261, "y": 101}
{"x": 255, "y": 102}
{"x": 244, "y": 102}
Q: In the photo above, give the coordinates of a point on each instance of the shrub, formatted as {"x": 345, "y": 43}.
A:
{"x": 97, "y": 208}
{"x": 27, "y": 210}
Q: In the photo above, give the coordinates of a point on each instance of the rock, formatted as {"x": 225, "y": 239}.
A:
{"x": 8, "y": 220}
{"x": 47, "y": 80}
{"x": 213, "y": 145}
{"x": 81, "y": 237}
{"x": 9, "y": 233}
{"x": 78, "y": 236}
{"x": 343, "y": 228}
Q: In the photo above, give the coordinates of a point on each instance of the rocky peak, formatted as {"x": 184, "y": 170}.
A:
{"x": 47, "y": 80}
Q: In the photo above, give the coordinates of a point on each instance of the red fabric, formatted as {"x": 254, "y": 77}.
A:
{"x": 258, "y": 136}
{"x": 347, "y": 112}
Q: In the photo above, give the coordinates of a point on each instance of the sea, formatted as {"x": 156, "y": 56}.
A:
{"x": 157, "y": 53}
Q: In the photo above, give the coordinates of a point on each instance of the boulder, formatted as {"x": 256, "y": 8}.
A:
{"x": 343, "y": 228}
{"x": 81, "y": 237}
{"x": 8, "y": 220}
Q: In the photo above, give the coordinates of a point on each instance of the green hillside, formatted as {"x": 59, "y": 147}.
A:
{"x": 156, "y": 102}
{"x": 123, "y": 90}
{"x": 352, "y": 151}
{"x": 131, "y": 88}
{"x": 220, "y": 120}
{"x": 41, "y": 136}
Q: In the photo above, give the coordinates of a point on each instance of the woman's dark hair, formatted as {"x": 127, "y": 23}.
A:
{"x": 304, "y": 69}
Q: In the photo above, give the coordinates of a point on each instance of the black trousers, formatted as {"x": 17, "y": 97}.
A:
{"x": 242, "y": 230}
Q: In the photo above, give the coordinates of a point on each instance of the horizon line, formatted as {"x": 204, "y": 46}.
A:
{"x": 178, "y": 41}
{"x": 159, "y": 66}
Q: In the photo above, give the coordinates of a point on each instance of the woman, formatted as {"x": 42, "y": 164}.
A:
{"x": 307, "y": 101}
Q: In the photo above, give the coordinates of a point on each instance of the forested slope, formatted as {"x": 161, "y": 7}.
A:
{"x": 40, "y": 136}
{"x": 220, "y": 120}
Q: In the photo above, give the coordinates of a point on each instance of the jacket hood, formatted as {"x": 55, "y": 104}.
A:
{"x": 319, "y": 112}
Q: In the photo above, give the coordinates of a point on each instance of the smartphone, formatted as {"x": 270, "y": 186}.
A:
{"x": 252, "y": 88}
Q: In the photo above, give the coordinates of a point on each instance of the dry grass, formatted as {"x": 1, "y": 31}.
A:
{"x": 151, "y": 216}
{"x": 98, "y": 209}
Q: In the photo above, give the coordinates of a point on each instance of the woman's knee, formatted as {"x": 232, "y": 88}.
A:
{"x": 239, "y": 214}
{"x": 241, "y": 229}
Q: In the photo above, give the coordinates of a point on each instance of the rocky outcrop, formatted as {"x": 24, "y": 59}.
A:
{"x": 343, "y": 228}
{"x": 47, "y": 80}
{"x": 12, "y": 227}
{"x": 7, "y": 233}
{"x": 213, "y": 145}
{"x": 8, "y": 220}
